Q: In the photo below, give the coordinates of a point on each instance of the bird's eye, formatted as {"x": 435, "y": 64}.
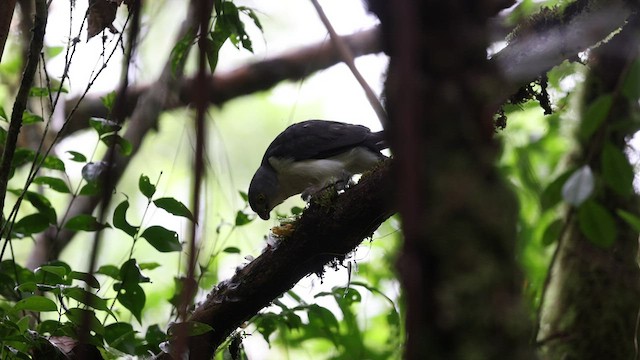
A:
{"x": 261, "y": 198}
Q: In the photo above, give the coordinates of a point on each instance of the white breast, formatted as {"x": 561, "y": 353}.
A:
{"x": 295, "y": 177}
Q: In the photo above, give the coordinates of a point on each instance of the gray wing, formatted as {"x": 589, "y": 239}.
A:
{"x": 318, "y": 139}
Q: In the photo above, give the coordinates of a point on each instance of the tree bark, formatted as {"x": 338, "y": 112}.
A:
{"x": 458, "y": 263}
{"x": 6, "y": 14}
{"x": 591, "y": 302}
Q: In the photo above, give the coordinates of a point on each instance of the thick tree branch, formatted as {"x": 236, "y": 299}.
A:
{"x": 258, "y": 76}
{"x": 526, "y": 57}
{"x": 331, "y": 227}
{"x": 6, "y": 14}
{"x": 532, "y": 53}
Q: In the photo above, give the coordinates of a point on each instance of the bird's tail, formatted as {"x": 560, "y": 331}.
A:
{"x": 378, "y": 140}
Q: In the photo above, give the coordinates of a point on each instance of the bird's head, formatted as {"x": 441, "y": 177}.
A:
{"x": 263, "y": 191}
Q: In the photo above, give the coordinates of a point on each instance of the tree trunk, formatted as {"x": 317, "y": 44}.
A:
{"x": 458, "y": 265}
{"x": 591, "y": 302}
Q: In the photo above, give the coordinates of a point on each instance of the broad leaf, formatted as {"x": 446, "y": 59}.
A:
{"x": 53, "y": 183}
{"x": 76, "y": 156}
{"x": 130, "y": 273}
{"x": 616, "y": 170}
{"x": 124, "y": 146}
{"x": 85, "y": 277}
{"x": 597, "y": 224}
{"x": 87, "y": 298}
{"x": 146, "y": 187}
{"x": 553, "y": 232}
{"x": 84, "y": 222}
{"x": 552, "y": 194}
{"x": 133, "y": 298}
{"x": 632, "y": 219}
{"x": 120, "y": 219}
{"x": 104, "y": 126}
{"x": 78, "y": 317}
{"x": 36, "y": 303}
{"x": 231, "y": 250}
{"x": 595, "y": 114}
{"x": 242, "y": 218}
{"x": 31, "y": 224}
{"x": 29, "y": 118}
{"x": 174, "y": 207}
{"x": 162, "y": 239}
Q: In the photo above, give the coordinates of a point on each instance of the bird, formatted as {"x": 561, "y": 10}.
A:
{"x": 309, "y": 156}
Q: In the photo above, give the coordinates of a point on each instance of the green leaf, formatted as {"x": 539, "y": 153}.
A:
{"x": 121, "y": 336}
{"x": 120, "y": 219}
{"x": 146, "y": 187}
{"x": 616, "y": 170}
{"x": 267, "y": 324}
{"x": 76, "y": 156}
{"x": 597, "y": 224}
{"x": 244, "y": 196}
{"x": 53, "y": 183}
{"x": 180, "y": 52}
{"x": 36, "y": 303}
{"x": 87, "y": 298}
{"x": 31, "y": 224}
{"x": 104, "y": 126}
{"x": 29, "y": 118}
{"x": 109, "y": 270}
{"x": 53, "y": 51}
{"x": 124, "y": 146}
{"x": 84, "y": 222}
{"x": 154, "y": 336}
{"x": 162, "y": 239}
{"x": 552, "y": 194}
{"x": 296, "y": 210}
{"x": 78, "y": 317}
{"x": 631, "y": 85}
{"x": 23, "y": 156}
{"x": 52, "y": 162}
{"x": 174, "y": 207}
{"x": 38, "y": 92}
{"x": 231, "y": 250}
{"x": 85, "y": 277}
{"x": 133, "y": 298}
{"x": 212, "y": 50}
{"x": 60, "y": 271}
{"x": 552, "y": 232}
{"x": 40, "y": 202}
{"x": 149, "y": 265}
{"x": 594, "y": 115}
{"x": 632, "y": 219}
{"x": 242, "y": 218}
{"x": 130, "y": 273}
{"x": 108, "y": 100}
{"x": 3, "y": 114}
{"x": 579, "y": 186}
{"x": 252, "y": 15}
{"x": 90, "y": 189}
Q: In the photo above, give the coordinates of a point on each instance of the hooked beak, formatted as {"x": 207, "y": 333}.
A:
{"x": 264, "y": 215}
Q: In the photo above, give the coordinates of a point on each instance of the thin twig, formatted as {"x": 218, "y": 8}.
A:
{"x": 347, "y": 57}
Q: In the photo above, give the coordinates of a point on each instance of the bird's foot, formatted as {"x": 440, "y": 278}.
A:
{"x": 339, "y": 185}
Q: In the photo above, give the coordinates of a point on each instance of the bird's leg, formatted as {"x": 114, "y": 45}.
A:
{"x": 341, "y": 183}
